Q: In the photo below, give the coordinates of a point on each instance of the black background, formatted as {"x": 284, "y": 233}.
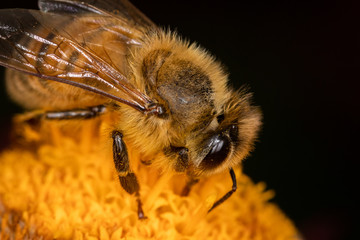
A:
{"x": 299, "y": 60}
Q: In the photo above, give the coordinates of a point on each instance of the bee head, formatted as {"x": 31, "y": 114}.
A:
{"x": 228, "y": 139}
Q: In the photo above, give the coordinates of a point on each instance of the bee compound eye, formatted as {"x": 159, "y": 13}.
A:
{"x": 220, "y": 147}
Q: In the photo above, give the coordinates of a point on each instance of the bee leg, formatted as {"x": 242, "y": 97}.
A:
{"x": 84, "y": 113}
{"x": 191, "y": 182}
{"x": 228, "y": 194}
{"x": 127, "y": 178}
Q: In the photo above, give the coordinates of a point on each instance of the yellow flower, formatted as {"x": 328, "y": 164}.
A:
{"x": 61, "y": 184}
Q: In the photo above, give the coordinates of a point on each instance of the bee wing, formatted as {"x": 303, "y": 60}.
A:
{"x": 60, "y": 48}
{"x": 117, "y": 8}
{"x": 123, "y": 22}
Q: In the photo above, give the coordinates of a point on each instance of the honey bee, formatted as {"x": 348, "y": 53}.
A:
{"x": 78, "y": 59}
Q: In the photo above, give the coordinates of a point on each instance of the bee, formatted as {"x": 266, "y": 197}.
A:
{"x": 79, "y": 59}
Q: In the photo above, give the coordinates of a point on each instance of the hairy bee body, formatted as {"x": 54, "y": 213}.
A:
{"x": 169, "y": 99}
{"x": 184, "y": 78}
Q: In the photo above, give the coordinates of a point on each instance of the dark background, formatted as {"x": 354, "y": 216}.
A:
{"x": 299, "y": 60}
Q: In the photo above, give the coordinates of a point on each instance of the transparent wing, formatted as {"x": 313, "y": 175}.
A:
{"x": 63, "y": 49}
{"x": 122, "y": 9}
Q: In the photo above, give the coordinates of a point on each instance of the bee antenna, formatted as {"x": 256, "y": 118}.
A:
{"x": 228, "y": 194}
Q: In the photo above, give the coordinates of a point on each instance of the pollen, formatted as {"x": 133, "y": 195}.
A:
{"x": 59, "y": 182}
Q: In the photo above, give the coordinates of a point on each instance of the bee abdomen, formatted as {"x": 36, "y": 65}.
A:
{"x": 36, "y": 93}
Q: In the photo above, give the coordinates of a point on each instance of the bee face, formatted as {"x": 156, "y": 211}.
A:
{"x": 222, "y": 142}
{"x": 228, "y": 144}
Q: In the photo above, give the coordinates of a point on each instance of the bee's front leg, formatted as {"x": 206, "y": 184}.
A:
{"x": 229, "y": 193}
{"x": 127, "y": 178}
